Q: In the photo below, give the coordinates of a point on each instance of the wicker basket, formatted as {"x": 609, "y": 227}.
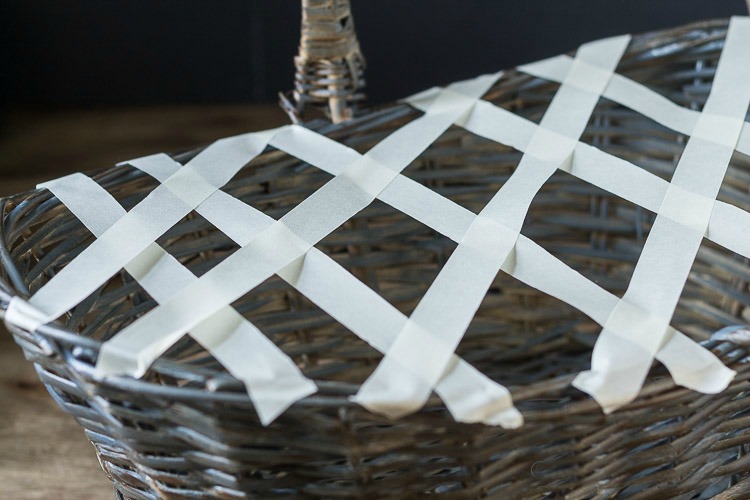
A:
{"x": 188, "y": 429}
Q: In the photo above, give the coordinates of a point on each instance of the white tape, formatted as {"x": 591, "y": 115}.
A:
{"x": 285, "y": 246}
{"x": 441, "y": 318}
{"x": 468, "y": 394}
{"x": 601, "y": 169}
{"x": 635, "y": 96}
{"x": 339, "y": 293}
{"x": 23, "y": 315}
{"x": 532, "y": 265}
{"x": 153, "y": 216}
{"x": 288, "y": 239}
{"x": 620, "y": 364}
{"x": 690, "y": 364}
{"x": 374, "y": 320}
{"x": 272, "y": 379}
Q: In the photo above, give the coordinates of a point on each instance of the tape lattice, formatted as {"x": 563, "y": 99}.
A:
{"x": 489, "y": 242}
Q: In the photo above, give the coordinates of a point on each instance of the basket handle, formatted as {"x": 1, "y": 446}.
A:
{"x": 329, "y": 65}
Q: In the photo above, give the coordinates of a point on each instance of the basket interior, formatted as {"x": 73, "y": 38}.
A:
{"x": 519, "y": 336}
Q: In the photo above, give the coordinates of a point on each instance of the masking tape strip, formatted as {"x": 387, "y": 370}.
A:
{"x": 620, "y": 365}
{"x": 292, "y": 236}
{"x": 342, "y": 295}
{"x": 469, "y": 395}
{"x": 439, "y": 322}
{"x": 272, "y": 379}
{"x": 146, "y": 222}
{"x": 635, "y": 96}
{"x": 691, "y": 365}
{"x": 455, "y": 226}
{"x": 601, "y": 169}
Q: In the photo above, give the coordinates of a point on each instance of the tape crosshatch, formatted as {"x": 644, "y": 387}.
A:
{"x": 343, "y": 296}
{"x": 687, "y": 211}
{"x": 657, "y": 283}
{"x": 454, "y": 297}
{"x": 273, "y": 380}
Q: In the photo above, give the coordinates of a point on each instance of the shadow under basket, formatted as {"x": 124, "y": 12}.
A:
{"x": 188, "y": 429}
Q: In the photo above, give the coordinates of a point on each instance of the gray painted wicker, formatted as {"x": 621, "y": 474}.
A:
{"x": 188, "y": 430}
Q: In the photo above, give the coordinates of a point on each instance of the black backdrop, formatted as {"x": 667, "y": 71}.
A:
{"x": 65, "y": 53}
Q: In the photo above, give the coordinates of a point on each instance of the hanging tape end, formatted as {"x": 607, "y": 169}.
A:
{"x": 23, "y": 315}
{"x": 275, "y": 400}
{"x": 390, "y": 408}
{"x": 608, "y": 395}
{"x": 711, "y": 379}
{"x": 115, "y": 361}
{"x": 509, "y": 418}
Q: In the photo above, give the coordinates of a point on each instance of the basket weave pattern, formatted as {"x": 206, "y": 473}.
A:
{"x": 188, "y": 429}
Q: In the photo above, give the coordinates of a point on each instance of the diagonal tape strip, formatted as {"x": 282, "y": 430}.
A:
{"x": 273, "y": 381}
{"x": 389, "y": 186}
{"x": 361, "y": 314}
{"x": 601, "y": 169}
{"x": 722, "y": 224}
{"x": 690, "y": 364}
{"x": 635, "y": 96}
{"x": 621, "y": 90}
{"x": 620, "y": 364}
{"x": 444, "y": 313}
{"x": 153, "y": 216}
{"x": 292, "y": 236}
{"x": 469, "y": 395}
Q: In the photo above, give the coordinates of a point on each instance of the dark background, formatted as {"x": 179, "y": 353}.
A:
{"x": 86, "y": 53}
{"x": 88, "y": 83}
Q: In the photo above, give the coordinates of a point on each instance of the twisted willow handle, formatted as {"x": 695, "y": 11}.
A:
{"x": 329, "y": 66}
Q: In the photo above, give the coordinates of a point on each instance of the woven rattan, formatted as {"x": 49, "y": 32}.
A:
{"x": 188, "y": 429}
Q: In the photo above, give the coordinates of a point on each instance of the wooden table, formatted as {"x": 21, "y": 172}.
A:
{"x": 44, "y": 454}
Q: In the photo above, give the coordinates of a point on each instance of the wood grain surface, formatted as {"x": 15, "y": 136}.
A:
{"x": 44, "y": 454}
